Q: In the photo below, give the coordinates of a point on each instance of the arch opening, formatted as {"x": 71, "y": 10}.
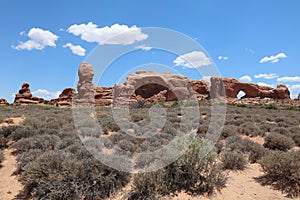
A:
{"x": 148, "y": 90}
{"x": 241, "y": 94}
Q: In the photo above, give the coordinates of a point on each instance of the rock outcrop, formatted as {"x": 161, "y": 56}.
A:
{"x": 85, "y": 87}
{"x": 65, "y": 98}
{"x": 229, "y": 88}
{"x": 25, "y": 97}
{"x": 153, "y": 87}
{"x": 3, "y": 102}
{"x": 103, "y": 96}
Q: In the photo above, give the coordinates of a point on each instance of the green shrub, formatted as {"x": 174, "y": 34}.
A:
{"x": 282, "y": 171}
{"x": 188, "y": 173}
{"x": 276, "y": 141}
{"x": 139, "y": 104}
{"x": 245, "y": 146}
{"x": 272, "y": 106}
{"x": 233, "y": 160}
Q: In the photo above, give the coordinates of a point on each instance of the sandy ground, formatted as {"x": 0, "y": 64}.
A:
{"x": 9, "y": 185}
{"x": 241, "y": 185}
{"x": 16, "y": 121}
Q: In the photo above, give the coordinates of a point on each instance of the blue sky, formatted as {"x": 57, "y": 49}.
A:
{"x": 256, "y": 41}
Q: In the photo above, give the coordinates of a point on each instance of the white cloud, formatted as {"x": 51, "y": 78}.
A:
{"x": 273, "y": 59}
{"x": 206, "y": 78}
{"x": 22, "y": 33}
{"x": 193, "y": 59}
{"x": 222, "y": 57}
{"x": 265, "y": 84}
{"x": 45, "y": 94}
{"x": 295, "y": 90}
{"x": 143, "y": 47}
{"x": 76, "y": 49}
{"x": 246, "y": 79}
{"x": 116, "y": 34}
{"x": 266, "y": 76}
{"x": 38, "y": 39}
{"x": 289, "y": 79}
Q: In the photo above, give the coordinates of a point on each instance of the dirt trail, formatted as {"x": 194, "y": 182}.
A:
{"x": 9, "y": 184}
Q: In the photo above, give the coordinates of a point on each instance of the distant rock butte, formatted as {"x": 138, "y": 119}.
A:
{"x": 153, "y": 87}
{"x": 24, "y": 96}
{"x": 230, "y": 87}
{"x": 3, "y": 102}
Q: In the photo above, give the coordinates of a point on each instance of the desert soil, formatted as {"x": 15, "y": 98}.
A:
{"x": 9, "y": 184}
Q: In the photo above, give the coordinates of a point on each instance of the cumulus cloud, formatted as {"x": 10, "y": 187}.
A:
{"x": 295, "y": 90}
{"x": 289, "y": 79}
{"x": 206, "y": 78}
{"x": 266, "y": 76}
{"x": 222, "y": 57}
{"x": 76, "y": 49}
{"x": 116, "y": 34}
{"x": 45, "y": 94}
{"x": 273, "y": 59}
{"x": 143, "y": 47}
{"x": 193, "y": 59}
{"x": 265, "y": 84}
{"x": 246, "y": 79}
{"x": 38, "y": 39}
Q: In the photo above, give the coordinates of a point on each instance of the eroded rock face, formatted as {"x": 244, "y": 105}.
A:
{"x": 153, "y": 87}
{"x": 85, "y": 87}
{"x": 65, "y": 98}
{"x": 103, "y": 96}
{"x": 3, "y": 102}
{"x": 229, "y": 87}
{"x": 25, "y": 97}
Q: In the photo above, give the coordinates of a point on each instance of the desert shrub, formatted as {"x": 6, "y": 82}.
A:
{"x": 55, "y": 175}
{"x": 27, "y": 157}
{"x": 265, "y": 127}
{"x": 296, "y": 138}
{"x": 139, "y": 104}
{"x": 282, "y": 171}
{"x": 22, "y": 132}
{"x": 272, "y": 106}
{"x": 250, "y": 129}
{"x": 280, "y": 130}
{"x": 188, "y": 173}
{"x": 6, "y": 131}
{"x": 276, "y": 141}
{"x": 1, "y": 157}
{"x": 228, "y": 131}
{"x": 3, "y": 142}
{"x": 245, "y": 146}
{"x": 233, "y": 160}
{"x": 43, "y": 142}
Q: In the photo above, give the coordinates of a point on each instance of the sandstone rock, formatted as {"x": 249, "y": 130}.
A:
{"x": 229, "y": 87}
{"x": 65, "y": 98}
{"x": 154, "y": 87}
{"x": 25, "y": 97}
{"x": 3, "y": 102}
{"x": 85, "y": 87}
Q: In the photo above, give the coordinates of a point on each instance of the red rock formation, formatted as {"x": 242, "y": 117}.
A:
{"x": 3, "y": 102}
{"x": 229, "y": 87}
{"x": 85, "y": 87}
{"x": 65, "y": 98}
{"x": 201, "y": 88}
{"x": 103, "y": 96}
{"x": 25, "y": 97}
{"x": 153, "y": 87}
